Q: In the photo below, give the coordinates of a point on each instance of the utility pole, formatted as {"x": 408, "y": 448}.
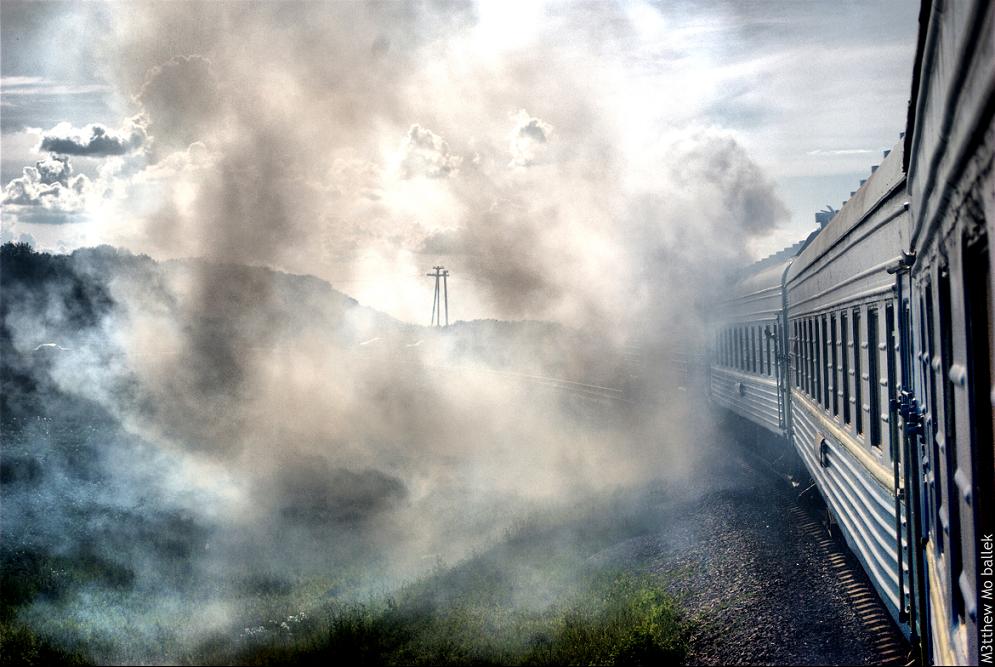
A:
{"x": 445, "y": 289}
{"x": 441, "y": 298}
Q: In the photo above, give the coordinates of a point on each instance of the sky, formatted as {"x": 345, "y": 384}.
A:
{"x": 534, "y": 148}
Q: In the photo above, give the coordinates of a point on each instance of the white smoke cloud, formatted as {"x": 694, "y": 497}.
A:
{"x": 423, "y": 152}
{"x": 273, "y": 142}
{"x": 306, "y": 174}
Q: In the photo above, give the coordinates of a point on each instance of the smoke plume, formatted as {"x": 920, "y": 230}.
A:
{"x": 255, "y": 425}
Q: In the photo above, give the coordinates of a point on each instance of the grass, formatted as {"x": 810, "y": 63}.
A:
{"x": 609, "y": 620}
{"x": 20, "y": 645}
{"x": 536, "y": 598}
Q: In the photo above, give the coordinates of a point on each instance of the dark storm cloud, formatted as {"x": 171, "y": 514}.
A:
{"x": 94, "y": 140}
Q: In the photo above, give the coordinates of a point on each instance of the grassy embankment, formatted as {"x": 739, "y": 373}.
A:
{"x": 537, "y": 598}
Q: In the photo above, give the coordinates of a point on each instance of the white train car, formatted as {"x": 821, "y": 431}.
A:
{"x": 947, "y": 326}
{"x": 842, "y": 318}
{"x": 746, "y": 374}
{"x": 883, "y": 376}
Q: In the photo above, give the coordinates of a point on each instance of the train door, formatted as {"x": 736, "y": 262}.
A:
{"x": 949, "y": 425}
{"x": 906, "y": 404}
{"x": 970, "y": 374}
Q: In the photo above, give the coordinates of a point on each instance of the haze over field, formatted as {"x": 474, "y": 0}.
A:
{"x": 201, "y": 412}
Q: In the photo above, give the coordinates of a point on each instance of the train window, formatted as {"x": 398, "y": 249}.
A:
{"x": 835, "y": 365}
{"x": 759, "y": 347}
{"x": 826, "y": 383}
{"x": 804, "y": 342}
{"x": 742, "y": 349}
{"x": 929, "y": 373}
{"x": 873, "y": 377}
{"x": 761, "y": 367}
{"x": 746, "y": 349}
{"x": 950, "y": 437}
{"x": 772, "y": 356}
{"x": 741, "y": 336}
{"x": 765, "y": 348}
{"x": 806, "y": 355}
{"x": 743, "y": 353}
{"x": 734, "y": 343}
{"x": 816, "y": 384}
{"x": 889, "y": 318}
{"x": 810, "y": 356}
{"x": 759, "y": 350}
{"x": 845, "y": 350}
{"x": 799, "y": 338}
{"x": 767, "y": 341}
{"x": 857, "y": 380}
{"x": 798, "y": 354}
{"x": 753, "y": 349}
{"x": 814, "y": 359}
{"x": 818, "y": 362}
{"x": 794, "y": 349}
{"x": 802, "y": 370}
{"x": 735, "y": 347}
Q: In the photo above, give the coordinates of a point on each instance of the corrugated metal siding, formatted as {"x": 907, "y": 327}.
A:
{"x": 759, "y": 402}
{"x": 861, "y": 504}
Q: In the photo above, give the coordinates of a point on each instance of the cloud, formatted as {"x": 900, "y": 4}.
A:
{"x": 18, "y": 86}
{"x": 424, "y": 153}
{"x": 841, "y": 151}
{"x": 181, "y": 97}
{"x": 94, "y": 140}
{"x": 47, "y": 193}
{"x": 305, "y": 170}
{"x": 528, "y": 139}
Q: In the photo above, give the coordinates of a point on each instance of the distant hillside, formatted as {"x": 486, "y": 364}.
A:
{"x": 52, "y": 304}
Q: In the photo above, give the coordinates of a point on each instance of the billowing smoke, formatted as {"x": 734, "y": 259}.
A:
{"x": 364, "y": 143}
{"x": 269, "y": 428}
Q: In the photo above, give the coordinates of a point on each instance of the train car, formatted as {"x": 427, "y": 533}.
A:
{"x": 745, "y": 371}
{"x": 842, "y": 318}
{"x": 884, "y": 350}
{"x": 947, "y": 331}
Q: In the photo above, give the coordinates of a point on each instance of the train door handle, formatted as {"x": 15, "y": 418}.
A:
{"x": 823, "y": 453}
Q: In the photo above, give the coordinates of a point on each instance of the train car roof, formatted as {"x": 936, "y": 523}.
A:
{"x": 756, "y": 293}
{"x": 882, "y": 184}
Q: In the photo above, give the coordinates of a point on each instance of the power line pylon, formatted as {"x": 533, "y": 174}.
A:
{"x": 437, "y": 302}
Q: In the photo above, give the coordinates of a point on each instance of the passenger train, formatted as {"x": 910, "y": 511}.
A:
{"x": 869, "y": 348}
